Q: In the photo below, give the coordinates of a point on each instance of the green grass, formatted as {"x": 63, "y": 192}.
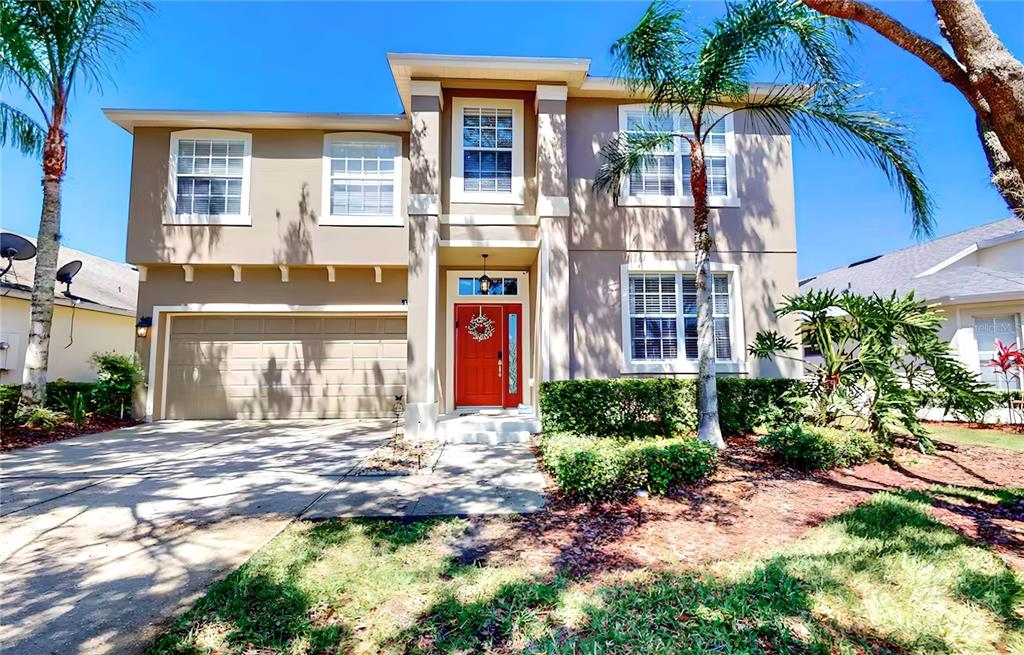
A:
{"x": 884, "y": 577}
{"x": 977, "y": 437}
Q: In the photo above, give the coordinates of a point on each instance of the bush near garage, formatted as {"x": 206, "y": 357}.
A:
{"x": 117, "y": 375}
{"x": 813, "y": 448}
{"x": 60, "y": 395}
{"x": 606, "y": 468}
{"x": 646, "y": 407}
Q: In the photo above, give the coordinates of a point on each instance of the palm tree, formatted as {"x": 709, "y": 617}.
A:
{"x": 45, "y": 48}
{"x": 704, "y": 75}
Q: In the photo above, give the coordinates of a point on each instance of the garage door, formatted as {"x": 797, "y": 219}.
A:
{"x": 285, "y": 367}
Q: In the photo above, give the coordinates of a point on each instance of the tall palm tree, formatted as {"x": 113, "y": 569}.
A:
{"x": 704, "y": 75}
{"x": 46, "y": 47}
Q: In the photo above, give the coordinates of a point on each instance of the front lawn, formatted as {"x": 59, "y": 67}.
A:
{"x": 884, "y": 576}
{"x": 976, "y": 436}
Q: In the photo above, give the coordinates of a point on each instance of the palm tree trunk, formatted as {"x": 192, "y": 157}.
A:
{"x": 37, "y": 355}
{"x": 707, "y": 387}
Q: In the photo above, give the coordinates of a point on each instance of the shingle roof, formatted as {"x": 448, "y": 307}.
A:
{"x": 897, "y": 271}
{"x": 101, "y": 281}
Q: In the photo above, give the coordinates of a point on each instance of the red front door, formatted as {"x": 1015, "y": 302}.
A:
{"x": 488, "y": 359}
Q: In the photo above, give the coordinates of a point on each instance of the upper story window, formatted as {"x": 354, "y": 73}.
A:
{"x": 209, "y": 178}
{"x": 660, "y": 320}
{"x": 487, "y": 150}
{"x": 362, "y": 179}
{"x": 664, "y": 178}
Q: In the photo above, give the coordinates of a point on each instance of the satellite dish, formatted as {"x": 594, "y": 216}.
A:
{"x": 13, "y": 247}
{"x": 66, "y": 272}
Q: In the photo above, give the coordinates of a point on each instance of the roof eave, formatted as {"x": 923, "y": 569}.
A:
{"x": 129, "y": 119}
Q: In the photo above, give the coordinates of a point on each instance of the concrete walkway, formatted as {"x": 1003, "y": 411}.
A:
{"x": 105, "y": 538}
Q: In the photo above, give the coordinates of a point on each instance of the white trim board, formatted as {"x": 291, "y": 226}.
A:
{"x": 235, "y": 308}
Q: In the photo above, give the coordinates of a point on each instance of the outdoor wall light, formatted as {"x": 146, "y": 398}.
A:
{"x": 485, "y": 282}
{"x": 142, "y": 327}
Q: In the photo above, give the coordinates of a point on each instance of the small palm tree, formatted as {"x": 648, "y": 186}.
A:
{"x": 704, "y": 75}
{"x": 45, "y": 48}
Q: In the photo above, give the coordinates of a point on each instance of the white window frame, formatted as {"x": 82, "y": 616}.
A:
{"x": 976, "y": 356}
{"x": 457, "y": 191}
{"x": 174, "y": 218}
{"x": 396, "y": 218}
{"x": 738, "y": 363}
{"x": 680, "y": 150}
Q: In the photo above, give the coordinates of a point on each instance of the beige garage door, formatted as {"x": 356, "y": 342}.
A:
{"x": 285, "y": 367}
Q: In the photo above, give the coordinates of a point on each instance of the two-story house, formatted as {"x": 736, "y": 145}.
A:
{"x": 456, "y": 254}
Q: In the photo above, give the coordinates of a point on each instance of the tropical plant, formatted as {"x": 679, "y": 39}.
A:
{"x": 117, "y": 375}
{"x": 1009, "y": 364}
{"x": 704, "y": 75}
{"x": 78, "y": 410}
{"x": 46, "y": 48}
{"x": 882, "y": 362}
{"x": 42, "y": 418}
{"x": 977, "y": 64}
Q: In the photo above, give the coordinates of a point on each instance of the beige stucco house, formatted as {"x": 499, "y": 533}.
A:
{"x": 319, "y": 265}
{"x": 975, "y": 277}
{"x": 102, "y": 320}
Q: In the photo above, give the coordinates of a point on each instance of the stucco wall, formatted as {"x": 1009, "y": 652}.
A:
{"x": 285, "y": 199}
{"x": 94, "y": 332}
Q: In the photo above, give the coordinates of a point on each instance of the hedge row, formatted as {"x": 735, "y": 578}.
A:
{"x": 59, "y": 395}
{"x": 643, "y": 407}
{"x": 600, "y": 469}
{"x": 813, "y": 448}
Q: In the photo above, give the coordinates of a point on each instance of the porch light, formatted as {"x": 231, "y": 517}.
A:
{"x": 485, "y": 282}
{"x": 142, "y": 327}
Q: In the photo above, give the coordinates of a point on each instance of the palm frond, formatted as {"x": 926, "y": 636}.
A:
{"x": 836, "y": 120}
{"x": 651, "y": 58}
{"x": 19, "y": 130}
{"x": 626, "y": 153}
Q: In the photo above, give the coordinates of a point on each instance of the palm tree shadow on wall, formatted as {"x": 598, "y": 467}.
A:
{"x": 295, "y": 234}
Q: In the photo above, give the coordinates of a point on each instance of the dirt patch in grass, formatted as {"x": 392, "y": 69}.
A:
{"x": 400, "y": 455}
{"x": 26, "y": 437}
{"x": 751, "y": 505}
{"x": 1010, "y": 428}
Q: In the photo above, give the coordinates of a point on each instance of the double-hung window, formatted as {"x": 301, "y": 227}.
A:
{"x": 663, "y": 179}
{"x": 209, "y": 177}
{"x": 362, "y": 179}
{"x": 487, "y": 150}
{"x": 660, "y": 321}
{"x": 986, "y": 330}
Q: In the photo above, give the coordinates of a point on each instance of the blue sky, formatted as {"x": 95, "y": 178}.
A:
{"x": 330, "y": 57}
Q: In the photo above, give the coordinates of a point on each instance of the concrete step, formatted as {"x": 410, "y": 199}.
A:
{"x": 487, "y": 437}
{"x": 484, "y": 429}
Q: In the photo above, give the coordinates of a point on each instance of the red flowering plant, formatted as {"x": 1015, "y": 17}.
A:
{"x": 1009, "y": 363}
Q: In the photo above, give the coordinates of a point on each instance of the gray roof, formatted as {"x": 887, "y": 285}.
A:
{"x": 897, "y": 271}
{"x": 101, "y": 281}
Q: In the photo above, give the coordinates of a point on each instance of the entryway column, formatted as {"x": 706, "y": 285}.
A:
{"x": 424, "y": 238}
{"x": 553, "y": 210}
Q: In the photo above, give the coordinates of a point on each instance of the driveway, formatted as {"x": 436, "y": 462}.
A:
{"x": 106, "y": 537}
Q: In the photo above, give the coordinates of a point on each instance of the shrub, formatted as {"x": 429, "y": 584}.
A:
{"x": 9, "y": 396}
{"x": 116, "y": 377}
{"x": 78, "y": 410}
{"x": 43, "y": 418}
{"x": 603, "y": 468}
{"x": 819, "y": 448}
{"x": 60, "y": 395}
{"x": 644, "y": 407}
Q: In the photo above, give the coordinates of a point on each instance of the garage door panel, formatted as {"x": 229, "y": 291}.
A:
{"x": 285, "y": 367}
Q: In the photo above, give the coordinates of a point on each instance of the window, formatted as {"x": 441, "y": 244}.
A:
{"x": 500, "y": 286}
{"x": 660, "y": 321}
{"x": 362, "y": 179}
{"x": 487, "y": 150}
{"x": 209, "y": 177}
{"x": 986, "y": 330}
{"x": 664, "y": 178}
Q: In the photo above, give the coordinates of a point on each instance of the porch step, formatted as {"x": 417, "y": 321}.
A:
{"x": 484, "y": 429}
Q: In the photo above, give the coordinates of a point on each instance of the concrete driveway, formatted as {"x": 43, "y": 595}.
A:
{"x": 105, "y": 538}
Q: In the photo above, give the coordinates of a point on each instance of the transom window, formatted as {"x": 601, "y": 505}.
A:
{"x": 210, "y": 172}
{"x": 660, "y": 302}
{"x": 986, "y": 330}
{"x": 362, "y": 181}
{"x": 665, "y": 175}
{"x": 487, "y": 149}
{"x": 500, "y": 286}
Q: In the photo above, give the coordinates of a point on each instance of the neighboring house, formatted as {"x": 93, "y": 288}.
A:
{"x": 103, "y": 320}
{"x": 976, "y": 277}
{"x": 319, "y": 265}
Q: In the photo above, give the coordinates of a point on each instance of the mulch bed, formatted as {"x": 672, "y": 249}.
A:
{"x": 400, "y": 456}
{"x": 1012, "y": 428}
{"x": 751, "y": 505}
{"x": 25, "y": 437}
